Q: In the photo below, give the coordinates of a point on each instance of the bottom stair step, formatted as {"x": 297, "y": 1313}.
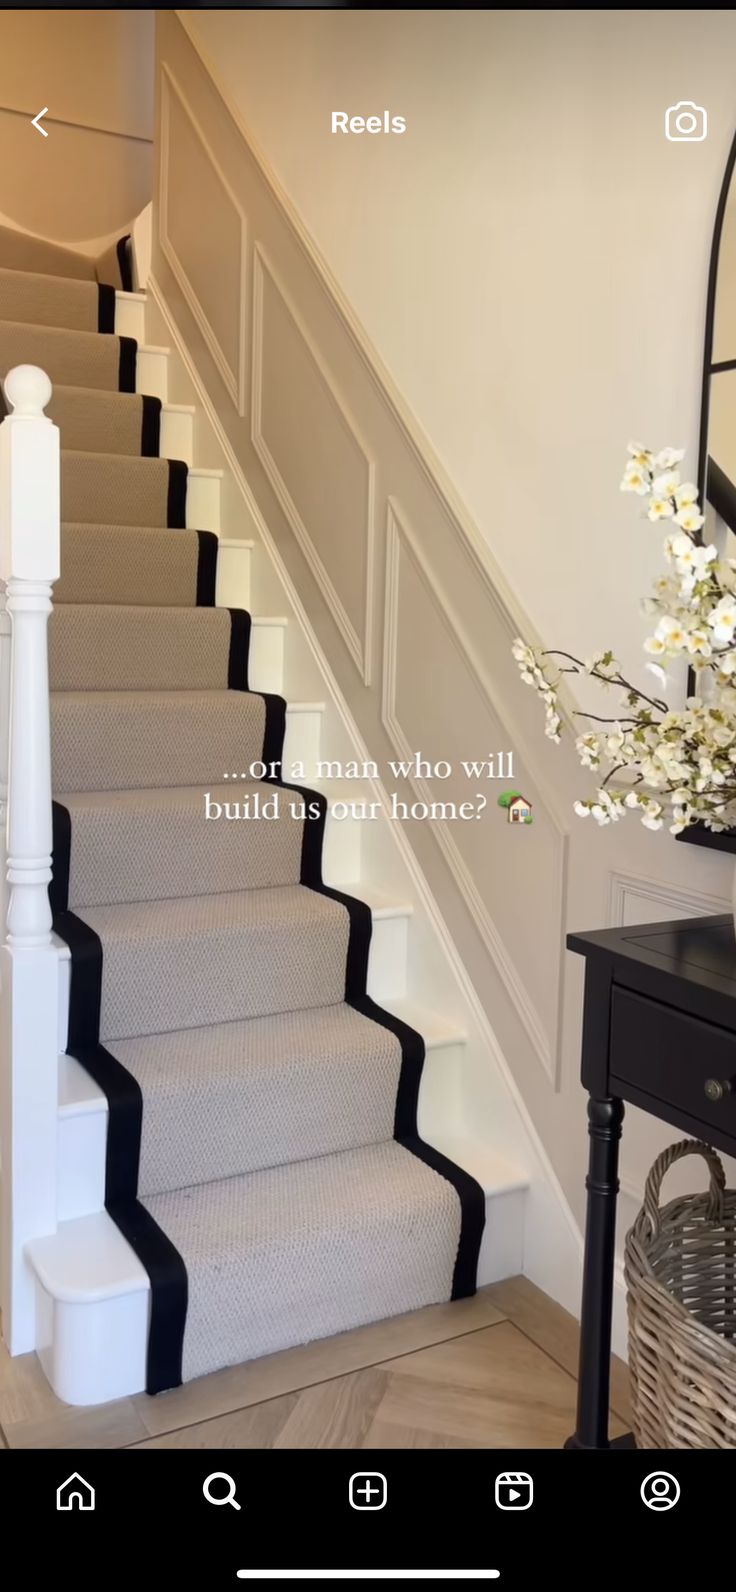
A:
{"x": 303, "y": 1251}
{"x": 274, "y": 1259}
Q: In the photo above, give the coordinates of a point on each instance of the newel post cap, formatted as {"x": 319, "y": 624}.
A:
{"x": 29, "y": 480}
{"x": 28, "y": 390}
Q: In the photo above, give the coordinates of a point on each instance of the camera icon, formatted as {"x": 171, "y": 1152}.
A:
{"x": 685, "y": 123}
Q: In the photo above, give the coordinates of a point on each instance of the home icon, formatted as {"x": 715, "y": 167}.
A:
{"x": 75, "y": 1493}
{"x": 520, "y": 811}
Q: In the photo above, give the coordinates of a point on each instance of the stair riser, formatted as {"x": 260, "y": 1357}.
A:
{"x": 266, "y": 657}
{"x": 234, "y": 574}
{"x": 203, "y": 500}
{"x": 176, "y": 437}
{"x": 151, "y": 372}
{"x": 302, "y": 744}
{"x": 94, "y": 1350}
{"x": 130, "y": 315}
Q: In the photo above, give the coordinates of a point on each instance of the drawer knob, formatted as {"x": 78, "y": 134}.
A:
{"x": 718, "y": 1088}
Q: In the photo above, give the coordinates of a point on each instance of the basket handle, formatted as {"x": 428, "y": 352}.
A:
{"x": 675, "y": 1152}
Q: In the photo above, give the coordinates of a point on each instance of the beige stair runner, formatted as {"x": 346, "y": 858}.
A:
{"x": 263, "y": 1157}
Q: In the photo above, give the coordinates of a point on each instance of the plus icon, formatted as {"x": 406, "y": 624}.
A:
{"x": 368, "y": 1490}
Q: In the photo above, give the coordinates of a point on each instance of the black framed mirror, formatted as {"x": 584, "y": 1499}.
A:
{"x": 717, "y": 439}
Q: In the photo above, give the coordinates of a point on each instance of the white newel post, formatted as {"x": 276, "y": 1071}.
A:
{"x": 29, "y": 562}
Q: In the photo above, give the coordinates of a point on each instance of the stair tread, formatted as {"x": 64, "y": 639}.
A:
{"x": 97, "y": 645}
{"x": 337, "y": 1241}
{"x": 237, "y": 1097}
{"x": 79, "y": 358}
{"x": 109, "y": 564}
{"x": 78, "y": 1092}
{"x": 123, "y": 740}
{"x": 202, "y": 915}
{"x": 196, "y": 960}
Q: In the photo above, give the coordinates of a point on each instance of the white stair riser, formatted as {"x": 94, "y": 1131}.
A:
{"x": 502, "y": 1245}
{"x": 441, "y": 1096}
{"x": 95, "y": 1351}
{"x": 82, "y": 1143}
{"x": 203, "y": 500}
{"x": 302, "y": 744}
{"x": 387, "y": 960}
{"x": 176, "y": 439}
{"x": 234, "y": 571}
{"x": 152, "y": 372}
{"x": 266, "y": 656}
{"x": 81, "y": 1151}
{"x": 130, "y": 316}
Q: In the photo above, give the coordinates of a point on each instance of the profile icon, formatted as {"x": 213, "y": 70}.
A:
{"x": 660, "y": 1490}
{"x": 685, "y": 123}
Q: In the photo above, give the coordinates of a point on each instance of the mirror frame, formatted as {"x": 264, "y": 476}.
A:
{"x": 710, "y": 483}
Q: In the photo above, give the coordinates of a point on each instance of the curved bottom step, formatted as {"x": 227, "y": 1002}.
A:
{"x": 93, "y": 1295}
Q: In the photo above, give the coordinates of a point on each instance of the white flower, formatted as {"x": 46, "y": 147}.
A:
{"x": 668, "y": 458}
{"x": 689, "y": 555}
{"x": 666, "y": 485}
{"x": 655, "y": 645}
{"x": 722, "y": 619}
{"x": 636, "y": 480}
{"x": 588, "y": 750}
{"x": 640, "y": 455}
{"x": 691, "y": 519}
{"x": 660, "y": 509}
{"x": 698, "y": 643}
{"x": 670, "y": 633}
{"x": 614, "y": 741}
{"x": 686, "y": 495}
{"x": 521, "y": 652}
{"x": 582, "y": 809}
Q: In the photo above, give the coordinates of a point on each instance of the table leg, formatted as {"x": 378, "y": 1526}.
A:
{"x": 605, "y": 1117}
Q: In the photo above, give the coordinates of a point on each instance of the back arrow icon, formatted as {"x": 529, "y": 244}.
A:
{"x": 37, "y": 122}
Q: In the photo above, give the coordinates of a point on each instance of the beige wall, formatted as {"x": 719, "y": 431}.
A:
{"x": 529, "y": 262}
{"x": 529, "y": 257}
{"x": 94, "y": 71}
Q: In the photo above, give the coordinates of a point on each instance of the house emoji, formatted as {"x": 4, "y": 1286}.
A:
{"x": 75, "y": 1493}
{"x": 520, "y": 811}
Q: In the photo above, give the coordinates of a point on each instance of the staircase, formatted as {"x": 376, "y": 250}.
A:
{"x": 239, "y": 1161}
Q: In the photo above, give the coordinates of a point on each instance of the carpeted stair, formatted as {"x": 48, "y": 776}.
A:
{"x": 263, "y": 1158}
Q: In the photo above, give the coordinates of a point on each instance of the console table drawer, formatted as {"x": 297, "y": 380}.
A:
{"x": 672, "y": 1056}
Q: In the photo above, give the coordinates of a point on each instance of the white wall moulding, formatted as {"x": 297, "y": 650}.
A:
{"x": 461, "y": 719}
{"x": 313, "y": 455}
{"x": 213, "y": 280}
{"x": 634, "y": 898}
{"x": 326, "y": 453}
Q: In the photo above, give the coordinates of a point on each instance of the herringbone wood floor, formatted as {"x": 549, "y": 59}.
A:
{"x": 496, "y": 1371}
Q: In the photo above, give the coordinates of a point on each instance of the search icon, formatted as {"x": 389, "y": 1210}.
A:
{"x": 228, "y": 1497}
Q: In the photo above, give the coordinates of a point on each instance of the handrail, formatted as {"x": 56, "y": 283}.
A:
{"x": 29, "y": 563}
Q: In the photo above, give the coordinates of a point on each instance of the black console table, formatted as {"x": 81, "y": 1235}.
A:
{"x": 659, "y": 1031}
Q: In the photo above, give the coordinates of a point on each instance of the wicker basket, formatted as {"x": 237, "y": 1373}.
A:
{"x": 680, "y": 1266}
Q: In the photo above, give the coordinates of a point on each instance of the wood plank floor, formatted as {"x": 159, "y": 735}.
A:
{"x": 496, "y": 1371}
